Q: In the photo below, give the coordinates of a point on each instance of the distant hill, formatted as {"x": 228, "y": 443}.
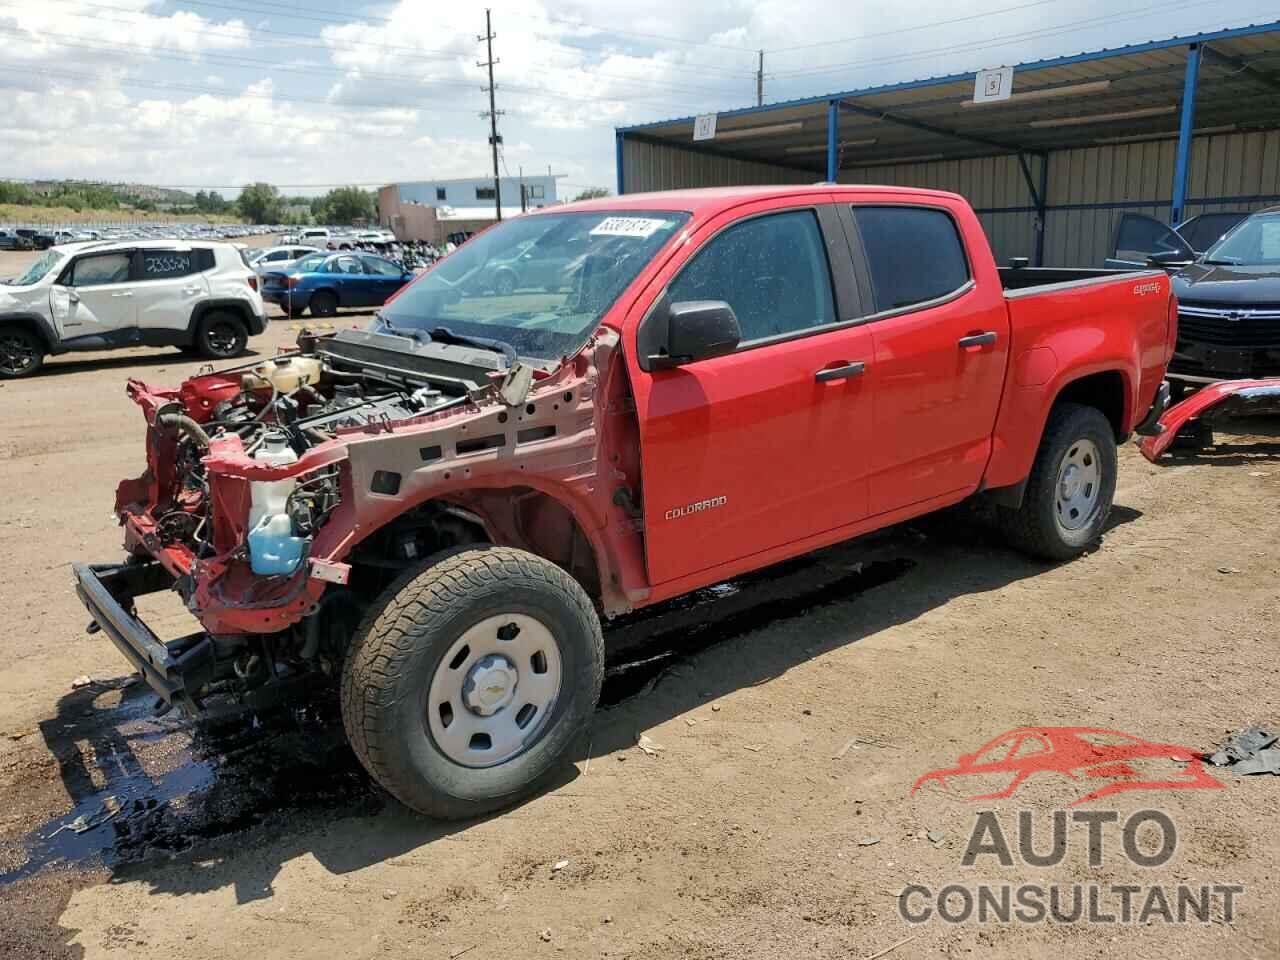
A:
{"x": 125, "y": 191}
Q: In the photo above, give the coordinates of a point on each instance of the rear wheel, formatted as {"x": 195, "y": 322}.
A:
{"x": 222, "y": 336}
{"x": 21, "y": 353}
{"x": 323, "y": 304}
{"x": 1069, "y": 493}
{"x": 469, "y": 681}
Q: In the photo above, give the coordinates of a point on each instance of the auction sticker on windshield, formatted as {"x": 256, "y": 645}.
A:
{"x": 640, "y": 227}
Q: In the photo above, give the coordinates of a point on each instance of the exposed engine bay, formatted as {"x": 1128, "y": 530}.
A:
{"x": 248, "y": 467}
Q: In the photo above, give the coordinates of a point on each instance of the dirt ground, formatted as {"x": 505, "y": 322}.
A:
{"x": 788, "y": 716}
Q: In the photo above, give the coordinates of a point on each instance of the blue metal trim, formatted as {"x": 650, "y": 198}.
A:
{"x": 1182, "y": 168}
{"x": 618, "y": 137}
{"x": 1107, "y": 53}
{"x": 833, "y": 140}
{"x": 1135, "y": 204}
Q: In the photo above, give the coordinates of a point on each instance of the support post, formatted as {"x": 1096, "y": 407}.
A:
{"x": 617, "y": 138}
{"x": 1182, "y": 169}
{"x": 1042, "y": 213}
{"x": 833, "y": 140}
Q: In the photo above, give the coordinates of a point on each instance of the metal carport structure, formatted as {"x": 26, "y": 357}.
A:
{"x": 1170, "y": 128}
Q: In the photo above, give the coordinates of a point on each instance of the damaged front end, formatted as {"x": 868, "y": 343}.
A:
{"x": 1191, "y": 421}
{"x": 251, "y": 504}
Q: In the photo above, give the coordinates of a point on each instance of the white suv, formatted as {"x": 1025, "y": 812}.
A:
{"x": 140, "y": 293}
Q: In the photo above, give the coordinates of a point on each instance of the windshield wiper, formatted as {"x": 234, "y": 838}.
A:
{"x": 1220, "y": 263}
{"x": 446, "y": 335}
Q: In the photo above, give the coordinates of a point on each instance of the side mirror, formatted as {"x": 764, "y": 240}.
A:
{"x": 1170, "y": 260}
{"x": 695, "y": 330}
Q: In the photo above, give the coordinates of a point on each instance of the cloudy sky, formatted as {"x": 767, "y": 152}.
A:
{"x": 318, "y": 93}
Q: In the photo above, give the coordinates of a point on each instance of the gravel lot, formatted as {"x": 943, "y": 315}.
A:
{"x": 793, "y": 715}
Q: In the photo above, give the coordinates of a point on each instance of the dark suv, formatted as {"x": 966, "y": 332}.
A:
{"x": 1228, "y": 297}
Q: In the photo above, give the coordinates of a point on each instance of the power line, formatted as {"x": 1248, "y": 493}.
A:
{"x": 1057, "y": 30}
{"x": 301, "y": 40}
{"x": 231, "y": 60}
{"x": 922, "y": 26}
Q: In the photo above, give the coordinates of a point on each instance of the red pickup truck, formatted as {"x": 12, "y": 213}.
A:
{"x": 594, "y": 408}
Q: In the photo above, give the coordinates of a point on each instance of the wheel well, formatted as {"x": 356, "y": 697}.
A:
{"x": 238, "y": 310}
{"x": 29, "y": 325}
{"x": 518, "y": 517}
{"x": 1104, "y": 391}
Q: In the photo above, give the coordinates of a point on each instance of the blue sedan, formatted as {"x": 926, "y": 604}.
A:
{"x": 323, "y": 282}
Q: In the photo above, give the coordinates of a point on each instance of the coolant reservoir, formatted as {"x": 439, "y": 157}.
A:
{"x": 289, "y": 373}
{"x": 273, "y": 549}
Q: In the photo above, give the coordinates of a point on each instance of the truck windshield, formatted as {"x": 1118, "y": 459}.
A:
{"x": 1256, "y": 242}
{"x": 539, "y": 284}
{"x": 37, "y": 270}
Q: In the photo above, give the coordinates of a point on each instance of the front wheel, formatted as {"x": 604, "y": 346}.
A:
{"x": 323, "y": 304}
{"x": 1069, "y": 493}
{"x": 21, "y": 353}
{"x": 470, "y": 679}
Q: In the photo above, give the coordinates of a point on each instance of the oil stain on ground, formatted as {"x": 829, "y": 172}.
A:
{"x": 158, "y": 787}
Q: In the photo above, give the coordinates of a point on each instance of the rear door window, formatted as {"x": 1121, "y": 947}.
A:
{"x": 166, "y": 264}
{"x": 772, "y": 270}
{"x": 914, "y": 254}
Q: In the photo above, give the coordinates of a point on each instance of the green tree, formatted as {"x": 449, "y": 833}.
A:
{"x": 344, "y": 205}
{"x": 592, "y": 193}
{"x": 260, "y": 203}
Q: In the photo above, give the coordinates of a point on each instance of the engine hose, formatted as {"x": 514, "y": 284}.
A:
{"x": 184, "y": 425}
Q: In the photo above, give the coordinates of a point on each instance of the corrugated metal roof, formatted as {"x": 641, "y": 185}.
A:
{"x": 1121, "y": 93}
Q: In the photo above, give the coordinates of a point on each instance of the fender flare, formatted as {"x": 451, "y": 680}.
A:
{"x": 39, "y": 324}
{"x": 224, "y": 304}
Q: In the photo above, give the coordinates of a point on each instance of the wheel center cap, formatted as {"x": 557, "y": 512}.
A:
{"x": 490, "y": 685}
{"x": 1070, "y": 482}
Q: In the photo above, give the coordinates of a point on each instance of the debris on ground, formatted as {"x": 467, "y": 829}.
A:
{"x": 559, "y": 865}
{"x": 1246, "y": 752}
{"x": 1228, "y": 569}
{"x": 868, "y": 841}
{"x": 648, "y": 746}
{"x": 545, "y": 935}
{"x": 936, "y": 836}
{"x": 84, "y": 680}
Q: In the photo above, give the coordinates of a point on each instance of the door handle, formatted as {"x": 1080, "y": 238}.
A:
{"x": 840, "y": 373}
{"x": 73, "y": 297}
{"x": 191, "y": 291}
{"x": 117, "y": 296}
{"x": 978, "y": 340}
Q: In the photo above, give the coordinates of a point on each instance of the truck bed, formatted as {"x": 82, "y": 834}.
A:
{"x": 1022, "y": 278}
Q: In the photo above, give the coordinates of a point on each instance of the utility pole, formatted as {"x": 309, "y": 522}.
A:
{"x": 524, "y": 197}
{"x": 494, "y": 139}
{"x": 760, "y": 82}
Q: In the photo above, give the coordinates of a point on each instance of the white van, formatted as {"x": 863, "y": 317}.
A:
{"x": 314, "y": 235}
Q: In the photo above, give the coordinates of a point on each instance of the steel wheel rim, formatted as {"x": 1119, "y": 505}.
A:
{"x": 1078, "y": 491}
{"x": 494, "y": 690}
{"x": 16, "y": 354}
{"x": 222, "y": 338}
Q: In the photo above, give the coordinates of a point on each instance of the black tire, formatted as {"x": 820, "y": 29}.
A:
{"x": 222, "y": 336}
{"x": 21, "y": 353}
{"x": 403, "y": 640}
{"x": 294, "y": 310}
{"x": 1037, "y": 527}
{"x": 504, "y": 284}
{"x": 323, "y": 304}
